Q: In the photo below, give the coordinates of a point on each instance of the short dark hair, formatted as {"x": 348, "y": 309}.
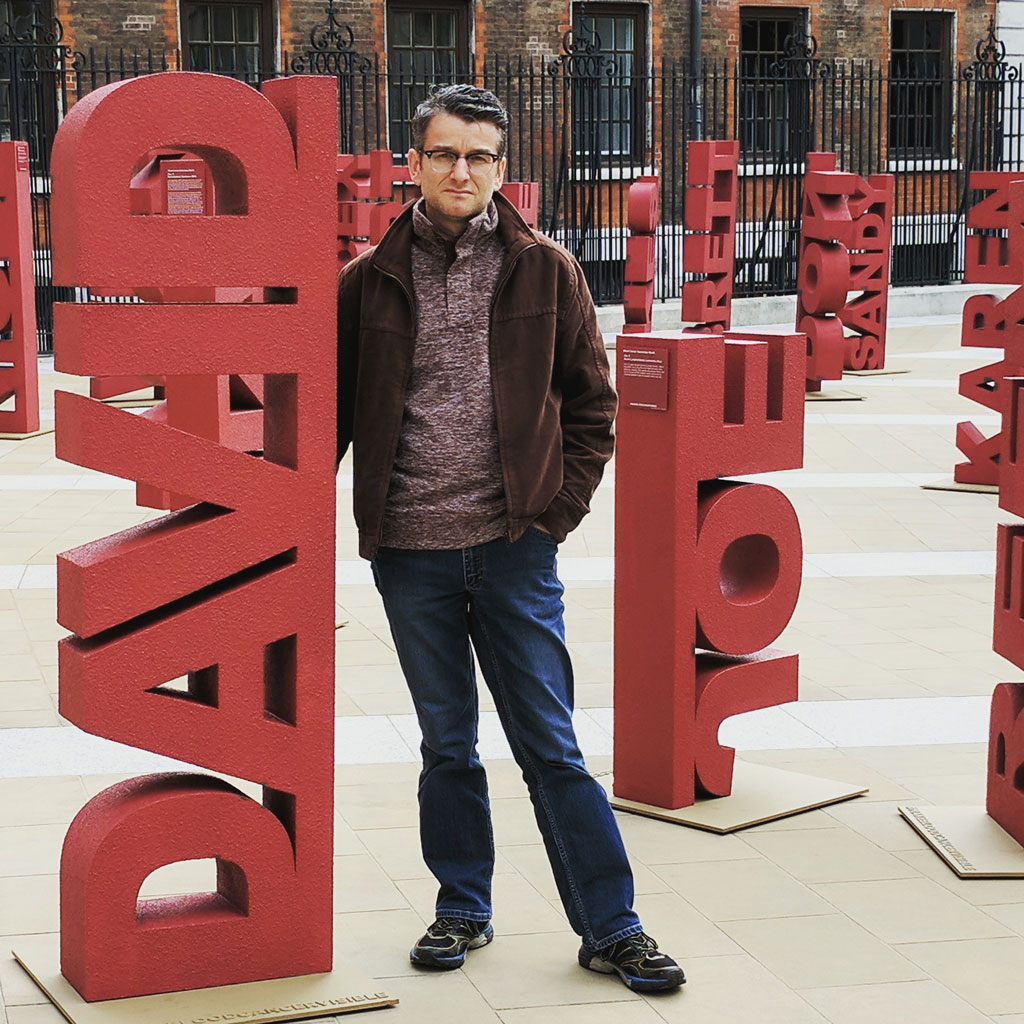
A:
{"x": 463, "y": 101}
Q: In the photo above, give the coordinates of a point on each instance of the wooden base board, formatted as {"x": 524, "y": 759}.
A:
{"x": 344, "y": 990}
{"x": 953, "y": 485}
{"x": 833, "y": 395}
{"x": 25, "y": 437}
{"x": 882, "y": 371}
{"x": 969, "y": 842}
{"x": 760, "y": 793}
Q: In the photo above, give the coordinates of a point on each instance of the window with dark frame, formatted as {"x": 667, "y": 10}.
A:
{"x": 920, "y": 84}
{"x": 225, "y": 38}
{"x": 770, "y": 99}
{"x": 428, "y": 44}
{"x": 29, "y": 111}
{"x": 13, "y": 17}
{"x": 609, "y": 109}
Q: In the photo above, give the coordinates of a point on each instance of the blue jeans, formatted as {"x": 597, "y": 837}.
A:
{"x": 506, "y": 600}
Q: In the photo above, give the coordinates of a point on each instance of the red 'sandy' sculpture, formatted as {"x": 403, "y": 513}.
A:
{"x": 701, "y": 563}
{"x": 710, "y": 246}
{"x": 995, "y": 238}
{"x": 638, "y": 293}
{"x": 870, "y": 249}
{"x": 236, "y": 593}
{"x": 845, "y": 243}
{"x": 19, "y": 373}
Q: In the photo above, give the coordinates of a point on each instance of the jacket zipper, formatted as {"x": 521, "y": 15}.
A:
{"x": 490, "y": 354}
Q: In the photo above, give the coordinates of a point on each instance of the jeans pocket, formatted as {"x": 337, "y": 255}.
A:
{"x": 536, "y": 531}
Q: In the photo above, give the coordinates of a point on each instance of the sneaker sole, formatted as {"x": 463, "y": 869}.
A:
{"x": 450, "y": 963}
{"x": 636, "y": 984}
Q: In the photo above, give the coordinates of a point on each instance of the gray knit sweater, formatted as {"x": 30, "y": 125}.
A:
{"x": 446, "y": 487}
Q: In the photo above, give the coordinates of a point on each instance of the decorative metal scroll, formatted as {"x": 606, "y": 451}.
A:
{"x": 331, "y": 49}
{"x": 581, "y": 55}
{"x": 32, "y": 42}
{"x": 990, "y": 65}
{"x": 800, "y": 57}
{"x": 33, "y": 29}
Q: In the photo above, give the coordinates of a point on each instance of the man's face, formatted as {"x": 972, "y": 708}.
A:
{"x": 453, "y": 197}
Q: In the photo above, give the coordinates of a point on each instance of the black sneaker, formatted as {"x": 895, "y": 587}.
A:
{"x": 447, "y": 940}
{"x": 637, "y": 962}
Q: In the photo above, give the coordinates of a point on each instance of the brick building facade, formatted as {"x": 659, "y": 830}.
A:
{"x": 463, "y": 30}
{"x": 892, "y": 93}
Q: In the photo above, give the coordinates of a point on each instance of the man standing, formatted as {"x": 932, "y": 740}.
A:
{"x": 474, "y": 386}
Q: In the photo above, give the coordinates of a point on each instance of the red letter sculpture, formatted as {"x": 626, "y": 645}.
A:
{"x": 638, "y": 293}
{"x": 994, "y": 243}
{"x": 236, "y": 593}
{"x": 365, "y": 209}
{"x": 700, "y": 562}
{"x": 710, "y": 245}
{"x": 19, "y": 374}
{"x": 870, "y": 248}
{"x": 823, "y": 276}
{"x": 1005, "y": 800}
{"x": 525, "y": 197}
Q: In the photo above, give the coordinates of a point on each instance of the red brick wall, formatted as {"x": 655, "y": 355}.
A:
{"x": 115, "y": 24}
{"x": 845, "y": 29}
{"x": 153, "y": 24}
{"x": 534, "y": 27}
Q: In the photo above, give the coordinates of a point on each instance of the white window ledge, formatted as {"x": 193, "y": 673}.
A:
{"x": 605, "y": 173}
{"x": 927, "y": 164}
{"x": 754, "y": 170}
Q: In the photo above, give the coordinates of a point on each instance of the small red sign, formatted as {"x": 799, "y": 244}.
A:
{"x": 21, "y": 149}
{"x": 644, "y": 381}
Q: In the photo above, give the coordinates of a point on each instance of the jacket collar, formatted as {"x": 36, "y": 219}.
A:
{"x": 480, "y": 227}
{"x": 393, "y": 254}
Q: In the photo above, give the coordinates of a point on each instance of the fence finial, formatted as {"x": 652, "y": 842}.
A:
{"x": 990, "y": 50}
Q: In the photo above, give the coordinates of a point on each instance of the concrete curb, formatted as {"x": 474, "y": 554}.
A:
{"x": 780, "y": 310}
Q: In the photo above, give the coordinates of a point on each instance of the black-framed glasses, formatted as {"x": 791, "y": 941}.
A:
{"x": 443, "y": 161}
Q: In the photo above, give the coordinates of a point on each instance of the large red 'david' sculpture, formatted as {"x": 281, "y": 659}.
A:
{"x": 235, "y": 593}
{"x": 707, "y": 570}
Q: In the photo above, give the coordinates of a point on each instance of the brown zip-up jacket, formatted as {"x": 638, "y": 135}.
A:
{"x": 553, "y": 397}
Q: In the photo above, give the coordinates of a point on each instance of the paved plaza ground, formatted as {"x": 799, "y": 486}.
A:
{"x": 840, "y": 915}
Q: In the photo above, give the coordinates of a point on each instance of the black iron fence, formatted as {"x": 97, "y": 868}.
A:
{"x": 585, "y": 129}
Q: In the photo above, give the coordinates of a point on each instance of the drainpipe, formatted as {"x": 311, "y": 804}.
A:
{"x": 696, "y": 45}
